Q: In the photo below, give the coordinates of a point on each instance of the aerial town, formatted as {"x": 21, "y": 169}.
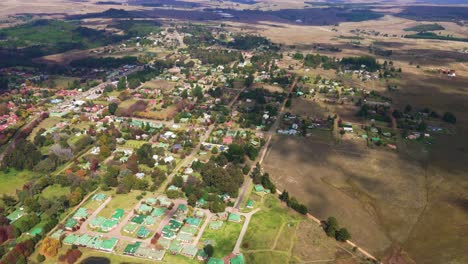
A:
{"x": 130, "y": 140}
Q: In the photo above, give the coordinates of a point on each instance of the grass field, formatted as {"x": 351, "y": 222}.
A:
{"x": 276, "y": 234}
{"x": 135, "y": 144}
{"x": 55, "y": 191}
{"x": 46, "y": 124}
{"x": 14, "y": 180}
{"x": 124, "y": 201}
{"x": 224, "y": 238}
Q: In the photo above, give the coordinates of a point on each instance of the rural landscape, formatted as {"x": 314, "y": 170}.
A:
{"x": 240, "y": 131}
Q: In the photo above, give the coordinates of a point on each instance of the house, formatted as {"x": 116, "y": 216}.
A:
{"x": 17, "y": 214}
{"x": 238, "y": 259}
{"x": 233, "y": 217}
{"x": 81, "y": 214}
{"x": 184, "y": 237}
{"x": 71, "y": 224}
{"x": 193, "y": 221}
{"x": 249, "y": 204}
{"x": 259, "y": 188}
{"x": 215, "y": 225}
{"x": 215, "y": 261}
{"x": 190, "y": 251}
{"x": 118, "y": 214}
{"x": 158, "y": 212}
{"x": 144, "y": 209}
{"x": 143, "y": 232}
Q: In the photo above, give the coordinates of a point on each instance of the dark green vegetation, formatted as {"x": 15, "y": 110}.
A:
{"x": 425, "y": 27}
{"x": 135, "y": 28}
{"x": 251, "y": 42}
{"x": 108, "y": 62}
{"x": 53, "y": 36}
{"x": 431, "y": 35}
{"x": 333, "y": 230}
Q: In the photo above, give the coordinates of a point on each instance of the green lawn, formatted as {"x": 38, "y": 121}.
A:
{"x": 55, "y": 191}
{"x": 14, "y": 180}
{"x": 224, "y": 238}
{"x": 134, "y": 143}
{"x": 124, "y": 201}
{"x": 266, "y": 257}
{"x": 266, "y": 224}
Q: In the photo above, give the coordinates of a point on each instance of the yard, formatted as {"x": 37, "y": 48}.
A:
{"x": 124, "y": 201}
{"x": 224, "y": 239}
{"x": 55, "y": 191}
{"x": 12, "y": 180}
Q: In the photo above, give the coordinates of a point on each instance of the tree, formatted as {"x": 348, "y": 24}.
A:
{"x": 49, "y": 247}
{"x": 113, "y": 108}
{"x": 192, "y": 200}
{"x": 209, "y": 250}
{"x": 284, "y": 196}
{"x": 331, "y": 226}
{"x": 197, "y": 92}
{"x": 449, "y": 118}
{"x": 122, "y": 84}
{"x": 40, "y": 258}
{"x": 342, "y": 235}
{"x": 132, "y": 163}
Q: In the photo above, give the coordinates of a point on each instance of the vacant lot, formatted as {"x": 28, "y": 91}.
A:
{"x": 12, "y": 180}
{"x": 224, "y": 239}
{"x": 381, "y": 197}
{"x": 277, "y": 234}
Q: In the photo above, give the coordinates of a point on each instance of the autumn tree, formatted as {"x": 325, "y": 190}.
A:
{"x": 49, "y": 247}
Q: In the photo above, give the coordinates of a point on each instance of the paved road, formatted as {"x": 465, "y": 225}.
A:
{"x": 194, "y": 152}
{"x": 203, "y": 227}
{"x": 247, "y": 216}
{"x": 264, "y": 149}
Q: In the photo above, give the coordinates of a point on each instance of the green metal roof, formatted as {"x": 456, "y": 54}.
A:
{"x": 132, "y": 248}
{"x": 130, "y": 227}
{"x": 239, "y": 259}
{"x": 17, "y": 214}
{"x": 216, "y": 225}
{"x": 189, "y": 230}
{"x": 81, "y": 213}
{"x": 149, "y": 220}
{"x": 250, "y": 204}
{"x": 159, "y": 211}
{"x": 234, "y": 217}
{"x": 144, "y": 208}
{"x": 215, "y": 261}
{"x": 259, "y": 188}
{"x": 184, "y": 237}
{"x": 118, "y": 214}
{"x": 190, "y": 250}
{"x": 70, "y": 223}
{"x": 138, "y": 219}
{"x": 193, "y": 221}
{"x": 143, "y": 232}
{"x": 99, "y": 197}
{"x": 109, "y": 224}
{"x": 109, "y": 244}
{"x": 175, "y": 247}
{"x": 70, "y": 239}
{"x": 182, "y": 207}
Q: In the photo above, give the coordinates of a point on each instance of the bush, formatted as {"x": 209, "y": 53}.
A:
{"x": 40, "y": 258}
{"x": 449, "y": 118}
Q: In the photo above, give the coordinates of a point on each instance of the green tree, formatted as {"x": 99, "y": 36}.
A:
{"x": 209, "y": 250}
{"x": 113, "y": 108}
{"x": 342, "y": 235}
{"x": 122, "y": 84}
{"x": 449, "y": 118}
{"x": 331, "y": 226}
